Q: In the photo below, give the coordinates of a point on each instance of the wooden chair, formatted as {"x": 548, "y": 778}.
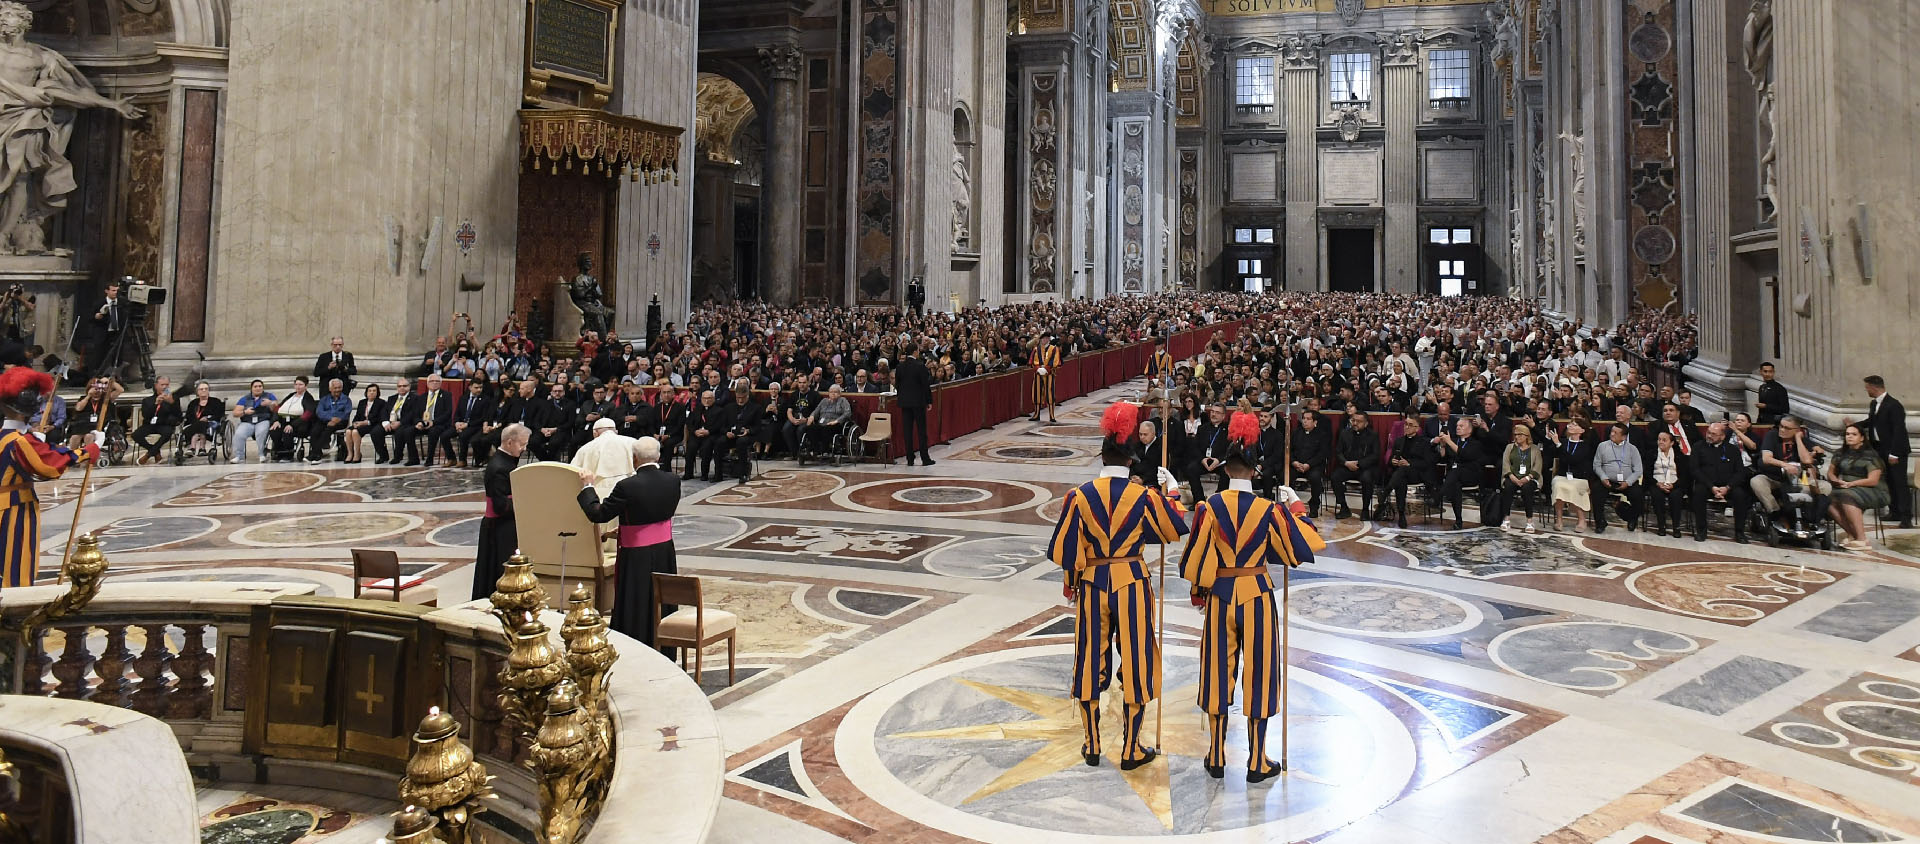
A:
{"x": 692, "y": 626}
{"x": 879, "y": 432}
{"x": 379, "y": 572}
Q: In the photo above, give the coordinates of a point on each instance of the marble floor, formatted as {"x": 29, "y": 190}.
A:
{"x": 903, "y": 659}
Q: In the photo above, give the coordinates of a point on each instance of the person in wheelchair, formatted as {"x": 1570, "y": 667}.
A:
{"x": 159, "y": 417}
{"x": 1786, "y": 472}
{"x": 201, "y": 420}
{"x": 87, "y": 419}
{"x": 828, "y": 419}
{"x": 294, "y": 422}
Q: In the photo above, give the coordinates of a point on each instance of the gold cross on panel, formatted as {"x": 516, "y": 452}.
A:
{"x": 368, "y": 695}
{"x": 297, "y": 689}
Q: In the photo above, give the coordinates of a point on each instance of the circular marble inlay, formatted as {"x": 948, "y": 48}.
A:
{"x": 701, "y": 531}
{"x": 1653, "y": 244}
{"x": 326, "y": 529}
{"x": 1649, "y": 43}
{"x": 890, "y": 497}
{"x": 1381, "y": 611}
{"x": 942, "y": 495}
{"x": 1884, "y": 721}
{"x": 1034, "y": 452}
{"x": 240, "y": 487}
{"x": 987, "y": 559}
{"x": 1594, "y": 656}
{"x": 142, "y": 532}
{"x": 1811, "y": 735}
{"x": 987, "y": 748}
{"x": 1074, "y": 431}
{"x": 461, "y": 534}
{"x": 274, "y": 826}
{"x": 779, "y": 487}
{"x": 1890, "y": 691}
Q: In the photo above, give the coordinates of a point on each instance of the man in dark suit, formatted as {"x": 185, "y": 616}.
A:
{"x": 337, "y": 362}
{"x": 404, "y": 416}
{"x": 1887, "y": 424}
{"x": 915, "y": 385}
{"x": 1312, "y": 451}
{"x": 551, "y": 417}
{"x": 435, "y": 422}
{"x": 644, "y": 503}
{"x": 1772, "y": 400}
{"x": 472, "y": 415}
{"x": 108, "y": 324}
{"x": 707, "y": 423}
{"x": 1720, "y": 473}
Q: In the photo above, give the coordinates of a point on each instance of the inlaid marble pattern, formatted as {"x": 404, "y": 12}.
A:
{"x": 1871, "y": 721}
{"x": 1678, "y": 581}
{"x": 1715, "y": 801}
{"x": 1034, "y": 451}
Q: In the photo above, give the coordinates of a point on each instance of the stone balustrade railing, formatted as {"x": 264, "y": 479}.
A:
{"x": 180, "y": 652}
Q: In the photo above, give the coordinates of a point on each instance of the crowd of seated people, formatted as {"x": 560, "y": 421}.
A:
{"x": 1471, "y": 395}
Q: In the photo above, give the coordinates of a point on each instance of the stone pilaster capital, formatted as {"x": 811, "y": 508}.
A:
{"x": 1401, "y": 48}
{"x": 1300, "y": 53}
{"x": 782, "y": 61}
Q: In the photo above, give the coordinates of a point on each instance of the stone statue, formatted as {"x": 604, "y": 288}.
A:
{"x": 595, "y": 316}
{"x": 1757, "y": 45}
{"x": 39, "y": 89}
{"x": 1577, "y": 156}
{"x": 963, "y": 200}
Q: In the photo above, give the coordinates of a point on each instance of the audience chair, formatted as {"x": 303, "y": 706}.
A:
{"x": 692, "y": 626}
{"x": 378, "y": 572}
{"x": 879, "y": 432}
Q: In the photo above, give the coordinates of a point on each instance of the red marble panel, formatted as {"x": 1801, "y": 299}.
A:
{"x": 193, "y": 237}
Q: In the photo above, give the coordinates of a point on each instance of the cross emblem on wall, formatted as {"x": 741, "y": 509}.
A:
{"x": 297, "y": 689}
{"x": 368, "y": 695}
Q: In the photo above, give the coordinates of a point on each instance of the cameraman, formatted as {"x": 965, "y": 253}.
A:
{"x": 16, "y": 313}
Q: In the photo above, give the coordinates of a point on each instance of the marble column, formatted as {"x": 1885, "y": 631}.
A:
{"x": 1400, "y": 104}
{"x": 1302, "y": 58}
{"x": 780, "y": 284}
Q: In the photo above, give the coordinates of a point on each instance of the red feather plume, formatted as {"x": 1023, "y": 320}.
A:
{"x": 18, "y": 379}
{"x": 1244, "y": 429}
{"x": 1121, "y": 421}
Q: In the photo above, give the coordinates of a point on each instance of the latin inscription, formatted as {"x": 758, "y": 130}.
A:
{"x": 572, "y": 38}
{"x": 1276, "y": 7}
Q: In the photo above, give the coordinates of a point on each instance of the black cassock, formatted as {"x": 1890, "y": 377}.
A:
{"x": 499, "y": 537}
{"x": 650, "y": 496}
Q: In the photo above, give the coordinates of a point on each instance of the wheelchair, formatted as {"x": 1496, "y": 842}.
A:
{"x": 114, "y": 443}
{"x": 216, "y": 436}
{"x": 1805, "y": 522}
{"x": 839, "y": 445}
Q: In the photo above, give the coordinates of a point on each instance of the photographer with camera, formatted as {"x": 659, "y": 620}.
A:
{"x": 16, "y": 313}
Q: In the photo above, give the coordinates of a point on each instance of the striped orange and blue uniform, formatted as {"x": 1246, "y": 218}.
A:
{"x": 1236, "y": 535}
{"x": 1043, "y": 356}
{"x": 23, "y": 460}
{"x": 1105, "y": 524}
{"x": 1160, "y": 366}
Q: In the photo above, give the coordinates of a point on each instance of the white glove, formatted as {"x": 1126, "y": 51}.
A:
{"x": 1042, "y": 370}
{"x": 1166, "y": 479}
{"x": 1286, "y": 496}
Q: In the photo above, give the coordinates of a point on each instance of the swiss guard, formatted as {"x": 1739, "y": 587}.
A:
{"x": 24, "y": 459}
{"x": 1236, "y": 536}
{"x": 1104, "y": 524}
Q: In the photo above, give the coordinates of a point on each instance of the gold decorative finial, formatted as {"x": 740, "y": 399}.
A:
{"x": 443, "y": 779}
{"x": 83, "y": 572}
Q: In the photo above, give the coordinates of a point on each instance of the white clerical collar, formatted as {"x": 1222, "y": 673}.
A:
{"x": 655, "y": 464}
{"x": 1113, "y": 471}
{"x": 14, "y": 425}
{"x": 1241, "y": 485}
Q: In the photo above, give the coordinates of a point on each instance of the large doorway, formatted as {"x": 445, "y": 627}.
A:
{"x": 1253, "y": 260}
{"x": 1453, "y": 262}
{"x": 1350, "y": 260}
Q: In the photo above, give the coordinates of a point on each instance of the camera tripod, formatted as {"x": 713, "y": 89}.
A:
{"x": 133, "y": 337}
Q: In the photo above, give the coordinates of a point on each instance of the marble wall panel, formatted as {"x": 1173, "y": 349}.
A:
{"x": 192, "y": 251}
{"x": 876, "y": 267}
{"x": 142, "y": 204}
{"x": 1658, "y": 263}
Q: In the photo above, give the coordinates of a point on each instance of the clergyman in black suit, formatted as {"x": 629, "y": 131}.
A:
{"x": 1887, "y": 420}
{"x": 915, "y": 385}
{"x": 337, "y": 362}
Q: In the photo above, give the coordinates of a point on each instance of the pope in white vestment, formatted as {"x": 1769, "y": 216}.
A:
{"x": 609, "y": 456}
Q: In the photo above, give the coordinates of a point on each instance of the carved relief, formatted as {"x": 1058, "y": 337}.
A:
{"x": 1576, "y": 151}
{"x": 1300, "y": 52}
{"x": 1133, "y": 172}
{"x": 1189, "y": 217}
{"x": 1042, "y": 188}
{"x": 1349, "y": 11}
{"x": 1402, "y": 48}
{"x": 1349, "y": 119}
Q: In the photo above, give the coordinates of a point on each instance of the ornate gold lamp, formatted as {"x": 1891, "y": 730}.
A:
{"x": 534, "y": 665}
{"x": 83, "y": 571}
{"x": 570, "y": 758}
{"x": 413, "y": 825}
{"x": 443, "y": 779}
{"x": 517, "y": 592}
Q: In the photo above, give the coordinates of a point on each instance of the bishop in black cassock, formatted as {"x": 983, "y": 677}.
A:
{"x": 499, "y": 537}
{"x": 644, "y": 503}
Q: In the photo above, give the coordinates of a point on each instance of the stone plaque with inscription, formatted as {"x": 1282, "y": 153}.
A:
{"x": 570, "y": 58}
{"x": 1254, "y": 177}
{"x": 1450, "y": 175}
{"x": 1350, "y": 177}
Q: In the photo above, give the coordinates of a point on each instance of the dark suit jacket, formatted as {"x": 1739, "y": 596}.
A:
{"x": 1888, "y": 427}
{"x": 472, "y": 408}
{"x": 649, "y": 495}
{"x": 323, "y": 369}
{"x": 370, "y": 410}
{"x": 165, "y": 414}
{"x": 442, "y": 409}
{"x": 406, "y": 410}
{"x": 913, "y": 382}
